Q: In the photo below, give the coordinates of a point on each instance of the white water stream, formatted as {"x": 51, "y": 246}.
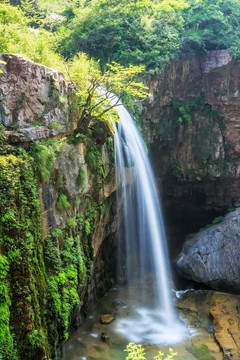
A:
{"x": 144, "y": 257}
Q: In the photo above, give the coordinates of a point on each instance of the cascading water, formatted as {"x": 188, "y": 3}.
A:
{"x": 143, "y": 239}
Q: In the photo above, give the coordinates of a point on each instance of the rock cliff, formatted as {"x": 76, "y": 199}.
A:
{"x": 192, "y": 125}
{"x": 57, "y": 210}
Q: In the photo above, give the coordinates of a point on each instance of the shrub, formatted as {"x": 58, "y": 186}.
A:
{"x": 136, "y": 352}
{"x": 62, "y": 203}
{"x": 218, "y": 219}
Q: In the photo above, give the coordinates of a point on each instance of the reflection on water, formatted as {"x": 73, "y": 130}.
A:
{"x": 142, "y": 325}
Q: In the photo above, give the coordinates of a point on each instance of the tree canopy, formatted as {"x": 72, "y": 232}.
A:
{"x": 149, "y": 32}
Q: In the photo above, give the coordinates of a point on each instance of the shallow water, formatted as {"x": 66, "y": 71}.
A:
{"x": 142, "y": 325}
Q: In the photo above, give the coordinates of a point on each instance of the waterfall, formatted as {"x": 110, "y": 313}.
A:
{"x": 143, "y": 250}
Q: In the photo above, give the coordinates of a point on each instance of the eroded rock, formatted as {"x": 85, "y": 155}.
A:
{"x": 226, "y": 322}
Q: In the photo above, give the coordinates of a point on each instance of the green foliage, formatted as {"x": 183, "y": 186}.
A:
{"x": 176, "y": 169}
{"x": 94, "y": 98}
{"x": 67, "y": 275}
{"x": 20, "y": 232}
{"x": 134, "y": 32}
{"x": 17, "y": 37}
{"x": 62, "y": 203}
{"x": 45, "y": 157}
{"x": 136, "y": 352}
{"x": 7, "y": 346}
{"x": 41, "y": 282}
{"x": 212, "y": 24}
{"x": 218, "y": 219}
{"x": 45, "y": 154}
{"x": 94, "y": 159}
{"x": 2, "y": 137}
{"x": 150, "y": 32}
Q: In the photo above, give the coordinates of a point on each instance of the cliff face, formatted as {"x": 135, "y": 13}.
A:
{"x": 57, "y": 210}
{"x": 192, "y": 125}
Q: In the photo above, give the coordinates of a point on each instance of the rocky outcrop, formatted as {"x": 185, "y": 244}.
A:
{"x": 217, "y": 318}
{"x": 226, "y": 323}
{"x": 192, "y": 126}
{"x": 34, "y": 100}
{"x": 212, "y": 256}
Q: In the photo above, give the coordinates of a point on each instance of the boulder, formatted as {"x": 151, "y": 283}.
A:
{"x": 212, "y": 255}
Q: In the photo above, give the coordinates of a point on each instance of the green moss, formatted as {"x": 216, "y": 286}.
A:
{"x": 73, "y": 155}
{"x": 54, "y": 125}
{"x": 201, "y": 352}
{"x": 67, "y": 274}
{"x": 20, "y": 235}
{"x": 94, "y": 159}
{"x": 81, "y": 178}
{"x": 7, "y": 344}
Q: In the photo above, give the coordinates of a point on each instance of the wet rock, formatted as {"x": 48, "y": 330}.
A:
{"x": 107, "y": 319}
{"x": 212, "y": 255}
{"x": 105, "y": 336}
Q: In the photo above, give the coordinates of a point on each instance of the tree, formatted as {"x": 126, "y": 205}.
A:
{"x": 98, "y": 94}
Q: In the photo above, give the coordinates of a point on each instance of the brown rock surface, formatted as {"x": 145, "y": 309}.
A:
{"x": 226, "y": 322}
{"x": 201, "y": 308}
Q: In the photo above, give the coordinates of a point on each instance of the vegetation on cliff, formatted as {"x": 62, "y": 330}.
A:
{"x": 43, "y": 280}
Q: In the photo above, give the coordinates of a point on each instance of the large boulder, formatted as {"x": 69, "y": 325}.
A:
{"x": 212, "y": 255}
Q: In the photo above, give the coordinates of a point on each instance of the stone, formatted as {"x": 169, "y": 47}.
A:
{"x": 226, "y": 323}
{"x": 107, "y": 319}
{"x": 34, "y": 100}
{"x": 212, "y": 255}
{"x": 105, "y": 336}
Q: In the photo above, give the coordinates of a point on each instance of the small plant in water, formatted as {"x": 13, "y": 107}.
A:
{"x": 136, "y": 352}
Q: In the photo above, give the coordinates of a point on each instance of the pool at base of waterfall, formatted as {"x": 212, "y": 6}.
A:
{"x": 191, "y": 333}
